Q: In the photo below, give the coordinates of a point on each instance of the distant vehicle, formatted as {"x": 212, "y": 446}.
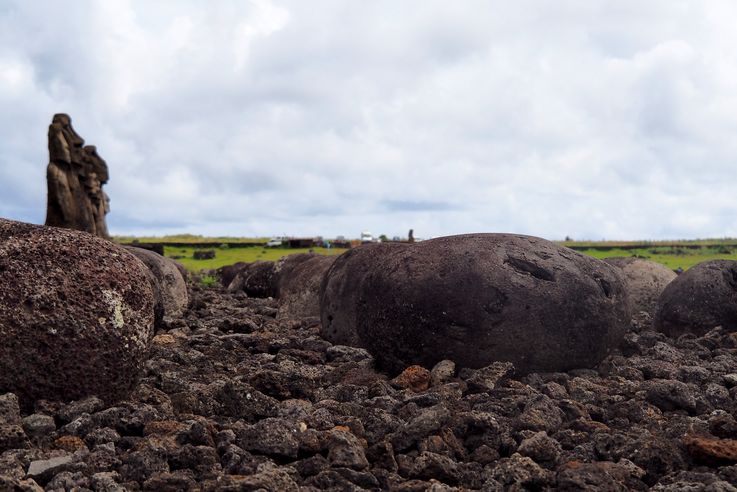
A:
{"x": 367, "y": 237}
{"x": 274, "y": 243}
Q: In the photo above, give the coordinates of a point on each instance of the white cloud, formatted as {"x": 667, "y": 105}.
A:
{"x": 590, "y": 119}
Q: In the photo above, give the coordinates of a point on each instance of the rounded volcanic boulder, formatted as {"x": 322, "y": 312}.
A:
{"x": 170, "y": 288}
{"x": 257, "y": 279}
{"x": 699, "y": 299}
{"x": 480, "y": 298}
{"x": 76, "y": 314}
{"x": 298, "y": 278}
{"x": 228, "y": 272}
{"x": 341, "y": 286}
{"x": 645, "y": 281}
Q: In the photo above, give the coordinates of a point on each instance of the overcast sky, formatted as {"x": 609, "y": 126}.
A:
{"x": 593, "y": 119}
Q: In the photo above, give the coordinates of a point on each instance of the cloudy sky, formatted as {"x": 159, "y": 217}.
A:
{"x": 593, "y": 119}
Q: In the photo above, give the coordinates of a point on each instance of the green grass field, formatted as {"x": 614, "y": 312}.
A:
{"x": 673, "y": 254}
{"x": 229, "y": 256}
{"x": 672, "y": 257}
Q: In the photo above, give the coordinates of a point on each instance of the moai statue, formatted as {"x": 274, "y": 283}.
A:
{"x": 411, "y": 236}
{"x": 75, "y": 176}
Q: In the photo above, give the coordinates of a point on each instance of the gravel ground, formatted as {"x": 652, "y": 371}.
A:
{"x": 232, "y": 399}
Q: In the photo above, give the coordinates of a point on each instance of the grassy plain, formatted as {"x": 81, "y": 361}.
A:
{"x": 671, "y": 257}
{"x": 229, "y": 256}
{"x": 673, "y": 254}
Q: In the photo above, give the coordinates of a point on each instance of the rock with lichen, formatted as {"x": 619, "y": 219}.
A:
{"x": 76, "y": 314}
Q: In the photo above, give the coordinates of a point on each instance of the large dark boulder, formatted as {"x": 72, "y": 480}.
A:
{"x": 257, "y": 279}
{"x": 285, "y": 267}
{"x": 293, "y": 279}
{"x": 341, "y": 287}
{"x": 480, "y": 298}
{"x": 204, "y": 254}
{"x": 76, "y": 314}
{"x": 645, "y": 281}
{"x": 227, "y": 273}
{"x": 701, "y": 298}
{"x": 168, "y": 283}
{"x": 298, "y": 278}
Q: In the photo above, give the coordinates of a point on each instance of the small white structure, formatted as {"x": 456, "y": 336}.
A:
{"x": 367, "y": 237}
{"x": 274, "y": 243}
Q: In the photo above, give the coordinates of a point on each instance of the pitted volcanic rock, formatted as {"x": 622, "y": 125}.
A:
{"x": 340, "y": 288}
{"x": 480, "y": 298}
{"x": 76, "y": 314}
{"x": 701, "y": 298}
{"x": 276, "y": 407}
{"x": 645, "y": 281}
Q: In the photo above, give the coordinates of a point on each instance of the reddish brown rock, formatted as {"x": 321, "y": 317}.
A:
{"x": 163, "y": 427}
{"x": 600, "y": 475}
{"x": 76, "y": 314}
{"x": 700, "y": 299}
{"x": 711, "y": 451}
{"x": 69, "y": 443}
{"x": 75, "y": 176}
{"x": 415, "y": 378}
{"x": 480, "y": 298}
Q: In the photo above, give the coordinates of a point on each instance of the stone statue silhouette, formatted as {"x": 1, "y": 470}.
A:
{"x": 75, "y": 177}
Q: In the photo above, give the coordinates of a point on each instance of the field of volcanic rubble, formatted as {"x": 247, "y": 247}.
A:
{"x": 239, "y": 393}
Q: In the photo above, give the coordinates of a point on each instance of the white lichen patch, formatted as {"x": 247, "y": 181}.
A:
{"x": 115, "y": 303}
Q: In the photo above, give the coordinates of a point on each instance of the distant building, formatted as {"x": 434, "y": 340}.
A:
{"x": 300, "y": 242}
{"x": 341, "y": 242}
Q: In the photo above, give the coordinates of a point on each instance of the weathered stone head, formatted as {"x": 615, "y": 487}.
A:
{"x": 95, "y": 164}
{"x": 75, "y": 176}
{"x": 63, "y": 140}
